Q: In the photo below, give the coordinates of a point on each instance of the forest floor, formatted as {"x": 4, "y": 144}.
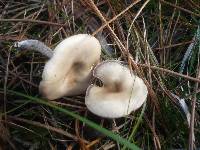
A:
{"x": 162, "y": 37}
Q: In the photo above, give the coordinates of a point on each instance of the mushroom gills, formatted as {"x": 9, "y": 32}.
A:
{"x": 121, "y": 93}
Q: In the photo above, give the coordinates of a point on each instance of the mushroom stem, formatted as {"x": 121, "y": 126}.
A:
{"x": 35, "y": 45}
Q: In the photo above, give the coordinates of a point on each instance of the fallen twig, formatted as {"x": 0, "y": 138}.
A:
{"x": 33, "y": 21}
{"x": 170, "y": 72}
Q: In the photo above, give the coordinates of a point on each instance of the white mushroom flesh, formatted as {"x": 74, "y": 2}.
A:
{"x": 68, "y": 72}
{"x": 121, "y": 93}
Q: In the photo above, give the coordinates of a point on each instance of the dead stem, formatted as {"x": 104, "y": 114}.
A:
{"x": 33, "y": 21}
{"x": 116, "y": 17}
{"x": 48, "y": 127}
{"x": 170, "y": 72}
{"x": 194, "y": 100}
{"x": 180, "y": 8}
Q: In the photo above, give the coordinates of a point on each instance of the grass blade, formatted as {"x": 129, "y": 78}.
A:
{"x": 106, "y": 132}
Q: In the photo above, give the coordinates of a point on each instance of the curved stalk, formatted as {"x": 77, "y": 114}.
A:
{"x": 35, "y": 45}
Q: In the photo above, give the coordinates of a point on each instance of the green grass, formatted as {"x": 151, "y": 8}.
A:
{"x": 106, "y": 132}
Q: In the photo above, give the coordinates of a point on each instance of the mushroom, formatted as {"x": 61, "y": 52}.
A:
{"x": 68, "y": 72}
{"x": 121, "y": 93}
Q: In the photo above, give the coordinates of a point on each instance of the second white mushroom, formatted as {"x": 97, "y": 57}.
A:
{"x": 121, "y": 93}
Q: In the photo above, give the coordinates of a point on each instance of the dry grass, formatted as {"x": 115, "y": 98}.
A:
{"x": 160, "y": 40}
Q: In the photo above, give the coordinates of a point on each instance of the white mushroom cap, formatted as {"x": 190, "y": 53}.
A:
{"x": 121, "y": 93}
{"x": 68, "y": 72}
